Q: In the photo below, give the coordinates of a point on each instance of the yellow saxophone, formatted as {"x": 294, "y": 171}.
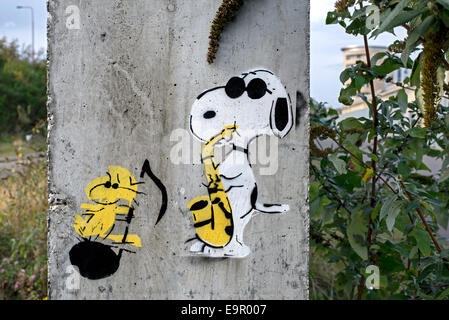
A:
{"x": 212, "y": 213}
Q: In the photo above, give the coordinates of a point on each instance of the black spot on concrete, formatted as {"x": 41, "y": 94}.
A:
{"x": 301, "y": 105}
{"x": 94, "y": 260}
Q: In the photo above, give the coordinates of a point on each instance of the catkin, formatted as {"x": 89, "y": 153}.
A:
{"x": 226, "y": 12}
{"x": 432, "y": 58}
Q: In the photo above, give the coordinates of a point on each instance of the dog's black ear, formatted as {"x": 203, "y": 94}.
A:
{"x": 281, "y": 117}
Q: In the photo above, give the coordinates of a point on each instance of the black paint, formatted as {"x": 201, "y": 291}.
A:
{"x": 254, "y": 195}
{"x": 147, "y": 169}
{"x": 94, "y": 259}
{"x": 199, "y": 205}
{"x": 207, "y": 91}
{"x": 301, "y": 105}
{"x": 256, "y": 88}
{"x": 235, "y": 87}
{"x": 281, "y": 114}
{"x": 209, "y": 114}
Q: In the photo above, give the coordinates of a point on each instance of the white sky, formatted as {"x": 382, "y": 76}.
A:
{"x": 326, "y": 58}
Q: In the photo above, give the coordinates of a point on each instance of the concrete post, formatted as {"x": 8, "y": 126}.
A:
{"x": 124, "y": 154}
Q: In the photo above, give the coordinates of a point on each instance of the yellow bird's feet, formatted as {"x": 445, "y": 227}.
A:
{"x": 131, "y": 239}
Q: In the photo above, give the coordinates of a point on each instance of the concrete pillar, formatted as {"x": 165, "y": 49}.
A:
{"x": 124, "y": 77}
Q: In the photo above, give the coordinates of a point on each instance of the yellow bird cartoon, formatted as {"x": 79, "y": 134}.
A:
{"x": 112, "y": 195}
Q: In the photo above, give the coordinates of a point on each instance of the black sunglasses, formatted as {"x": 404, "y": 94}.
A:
{"x": 256, "y": 88}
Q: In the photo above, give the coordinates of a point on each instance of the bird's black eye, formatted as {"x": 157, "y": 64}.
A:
{"x": 115, "y": 186}
{"x": 256, "y": 88}
{"x": 107, "y": 184}
{"x": 235, "y": 87}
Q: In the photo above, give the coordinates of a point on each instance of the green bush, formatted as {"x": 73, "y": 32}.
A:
{"x": 22, "y": 89}
{"x": 373, "y": 200}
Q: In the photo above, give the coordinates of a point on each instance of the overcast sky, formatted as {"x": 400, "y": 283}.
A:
{"x": 326, "y": 58}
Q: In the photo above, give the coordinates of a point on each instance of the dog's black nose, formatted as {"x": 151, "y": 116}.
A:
{"x": 209, "y": 114}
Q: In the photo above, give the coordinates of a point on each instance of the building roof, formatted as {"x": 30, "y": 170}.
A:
{"x": 356, "y": 46}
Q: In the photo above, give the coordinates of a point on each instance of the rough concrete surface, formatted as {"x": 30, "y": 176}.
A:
{"x": 118, "y": 87}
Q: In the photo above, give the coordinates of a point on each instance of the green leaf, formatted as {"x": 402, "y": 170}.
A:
{"x": 387, "y": 206}
{"x": 346, "y": 95}
{"x": 415, "y": 77}
{"x": 392, "y": 213}
{"x": 444, "y": 3}
{"x": 418, "y": 148}
{"x": 372, "y": 156}
{"x": 349, "y": 181}
{"x": 403, "y": 100}
{"x": 444, "y": 175}
{"x": 413, "y": 252}
{"x": 443, "y": 294}
{"x": 423, "y": 241}
{"x": 396, "y": 17}
{"x": 442, "y": 216}
{"x": 356, "y": 232}
{"x": 377, "y": 57}
{"x": 419, "y": 98}
{"x": 376, "y": 211}
{"x": 338, "y": 163}
{"x": 444, "y": 16}
{"x": 404, "y": 169}
{"x": 345, "y": 75}
{"x": 413, "y": 38}
{"x": 313, "y": 190}
{"x": 387, "y": 67}
{"x": 413, "y": 205}
{"x": 315, "y": 208}
{"x": 418, "y": 132}
{"x": 350, "y": 123}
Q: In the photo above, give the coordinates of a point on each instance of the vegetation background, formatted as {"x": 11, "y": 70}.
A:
{"x": 375, "y": 206}
{"x": 23, "y": 200}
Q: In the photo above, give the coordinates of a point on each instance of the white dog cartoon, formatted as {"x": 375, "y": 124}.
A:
{"x": 253, "y": 104}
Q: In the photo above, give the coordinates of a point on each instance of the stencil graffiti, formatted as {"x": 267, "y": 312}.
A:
{"x": 253, "y": 104}
{"x": 113, "y": 197}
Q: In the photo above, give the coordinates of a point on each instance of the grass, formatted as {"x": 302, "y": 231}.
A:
{"x": 323, "y": 281}
{"x": 12, "y": 145}
{"x": 23, "y": 234}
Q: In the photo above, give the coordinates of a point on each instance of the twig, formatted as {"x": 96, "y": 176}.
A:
{"x": 404, "y": 141}
{"x": 340, "y": 202}
{"x": 418, "y": 210}
{"x": 365, "y": 165}
{"x": 421, "y": 215}
{"x": 373, "y": 162}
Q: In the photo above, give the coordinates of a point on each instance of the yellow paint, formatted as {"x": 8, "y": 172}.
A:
{"x": 213, "y": 225}
{"x": 112, "y": 194}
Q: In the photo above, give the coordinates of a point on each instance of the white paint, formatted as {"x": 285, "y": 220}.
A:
{"x": 253, "y": 117}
